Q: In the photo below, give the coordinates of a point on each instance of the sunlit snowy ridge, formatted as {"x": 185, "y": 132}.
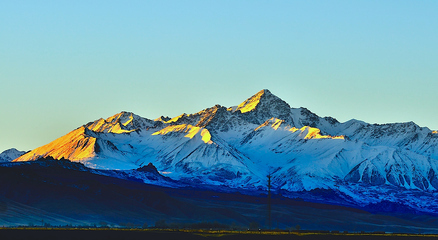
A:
{"x": 239, "y": 146}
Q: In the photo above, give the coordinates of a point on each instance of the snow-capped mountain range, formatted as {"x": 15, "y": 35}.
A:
{"x": 10, "y": 154}
{"x": 237, "y": 147}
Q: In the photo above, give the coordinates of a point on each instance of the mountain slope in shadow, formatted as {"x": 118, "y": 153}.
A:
{"x": 61, "y": 192}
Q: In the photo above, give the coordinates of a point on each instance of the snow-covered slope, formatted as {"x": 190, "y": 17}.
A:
{"x": 239, "y": 146}
{"x": 10, "y": 154}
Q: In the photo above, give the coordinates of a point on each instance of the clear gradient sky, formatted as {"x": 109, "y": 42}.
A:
{"x": 66, "y": 63}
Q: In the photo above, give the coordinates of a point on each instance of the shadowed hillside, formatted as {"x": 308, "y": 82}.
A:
{"x": 60, "y": 192}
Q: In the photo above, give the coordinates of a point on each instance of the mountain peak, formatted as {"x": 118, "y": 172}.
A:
{"x": 263, "y": 106}
{"x": 10, "y": 154}
{"x": 251, "y": 103}
{"x": 265, "y": 92}
{"x": 123, "y": 122}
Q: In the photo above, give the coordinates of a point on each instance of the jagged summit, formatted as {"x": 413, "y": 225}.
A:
{"x": 263, "y": 106}
{"x": 163, "y": 119}
{"x": 263, "y": 99}
{"x": 123, "y": 122}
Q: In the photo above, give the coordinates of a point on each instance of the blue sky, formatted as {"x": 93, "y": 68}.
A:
{"x": 65, "y": 63}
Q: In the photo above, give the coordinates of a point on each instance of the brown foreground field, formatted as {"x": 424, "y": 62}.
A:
{"x": 134, "y": 234}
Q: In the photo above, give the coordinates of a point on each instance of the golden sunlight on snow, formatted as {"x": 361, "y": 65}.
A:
{"x": 435, "y": 132}
{"x": 313, "y": 133}
{"x": 175, "y": 118}
{"x": 129, "y": 120}
{"x": 306, "y": 132}
{"x": 276, "y": 123}
{"x": 102, "y": 125}
{"x": 74, "y": 146}
{"x": 251, "y": 103}
{"x": 191, "y": 131}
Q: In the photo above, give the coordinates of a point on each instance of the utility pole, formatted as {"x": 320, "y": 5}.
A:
{"x": 269, "y": 202}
